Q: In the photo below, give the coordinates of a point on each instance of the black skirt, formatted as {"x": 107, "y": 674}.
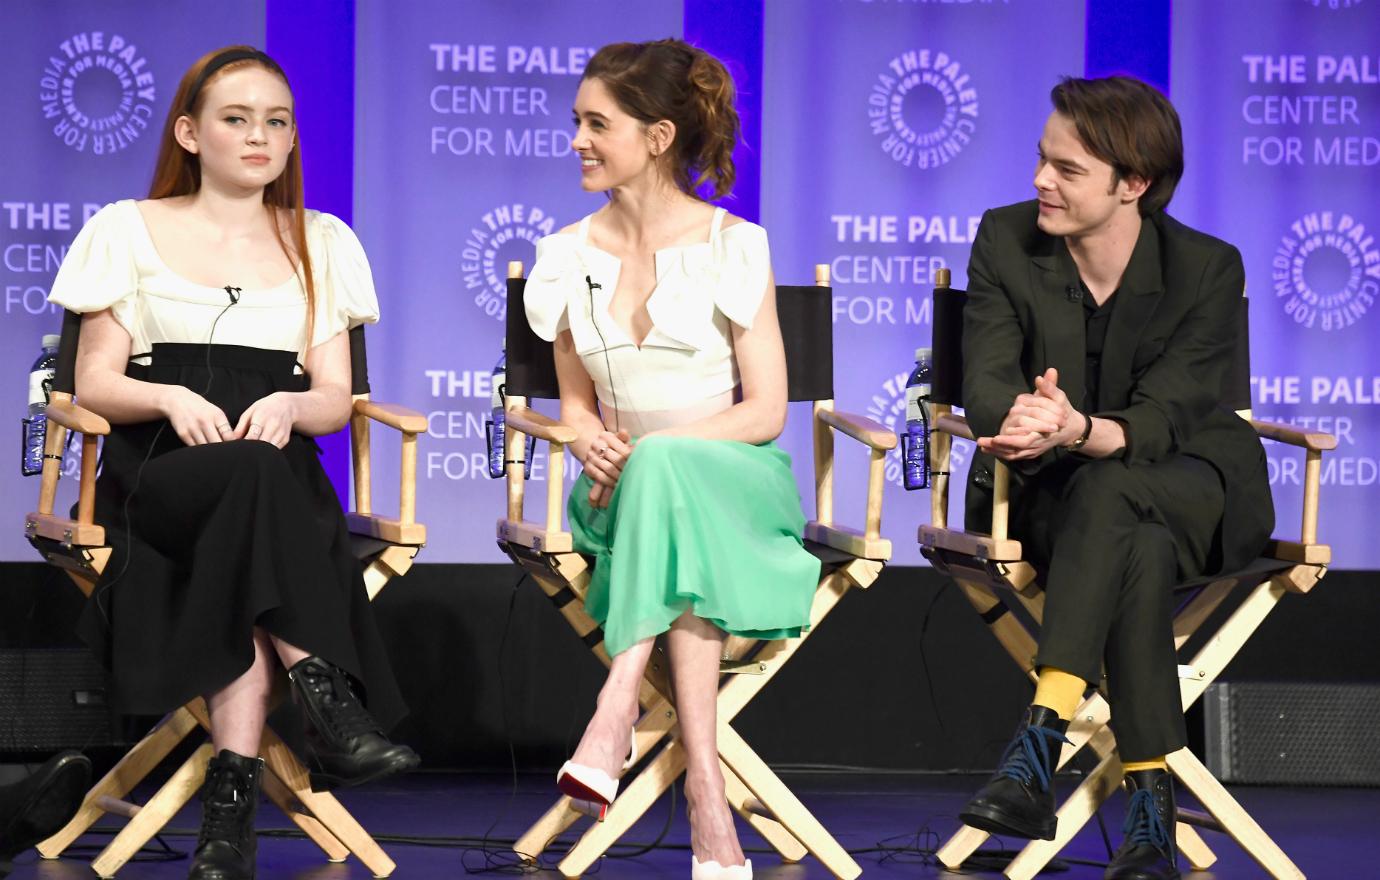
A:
{"x": 211, "y": 541}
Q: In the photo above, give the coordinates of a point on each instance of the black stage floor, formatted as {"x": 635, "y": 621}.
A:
{"x": 885, "y": 820}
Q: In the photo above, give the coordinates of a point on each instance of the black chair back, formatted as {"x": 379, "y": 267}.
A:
{"x": 65, "y": 379}
{"x": 806, "y": 330}
{"x": 65, "y": 374}
{"x": 947, "y": 346}
{"x": 359, "y": 362}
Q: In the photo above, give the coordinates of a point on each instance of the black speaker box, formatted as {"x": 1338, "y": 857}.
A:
{"x": 53, "y": 699}
{"x": 1293, "y": 734}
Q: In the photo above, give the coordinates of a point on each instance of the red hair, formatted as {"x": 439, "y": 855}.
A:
{"x": 178, "y": 172}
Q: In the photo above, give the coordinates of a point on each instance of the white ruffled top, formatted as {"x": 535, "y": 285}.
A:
{"x": 113, "y": 264}
{"x": 687, "y": 358}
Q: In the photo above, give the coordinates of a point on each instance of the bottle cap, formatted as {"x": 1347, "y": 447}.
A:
{"x": 51, "y": 340}
{"x": 924, "y": 354}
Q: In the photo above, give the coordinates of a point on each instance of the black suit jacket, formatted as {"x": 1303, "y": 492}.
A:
{"x": 1168, "y": 351}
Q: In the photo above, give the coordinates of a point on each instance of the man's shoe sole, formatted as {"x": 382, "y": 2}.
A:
{"x": 56, "y": 798}
{"x": 995, "y": 821}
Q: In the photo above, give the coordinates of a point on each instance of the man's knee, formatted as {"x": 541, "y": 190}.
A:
{"x": 1103, "y": 486}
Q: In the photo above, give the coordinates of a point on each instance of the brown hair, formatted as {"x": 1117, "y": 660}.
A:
{"x": 178, "y": 172}
{"x": 671, "y": 79}
{"x": 1131, "y": 126}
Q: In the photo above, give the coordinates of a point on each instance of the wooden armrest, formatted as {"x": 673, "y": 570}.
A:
{"x": 74, "y": 418}
{"x": 391, "y": 530}
{"x": 534, "y": 424}
{"x": 1313, "y": 441}
{"x": 850, "y": 541}
{"x": 409, "y": 421}
{"x": 969, "y": 544}
{"x": 1294, "y": 551}
{"x": 954, "y": 426}
{"x": 67, "y": 532}
{"x": 860, "y": 428}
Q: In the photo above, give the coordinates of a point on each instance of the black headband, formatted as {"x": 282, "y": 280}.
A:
{"x": 229, "y": 56}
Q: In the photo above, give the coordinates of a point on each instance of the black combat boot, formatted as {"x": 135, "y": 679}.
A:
{"x": 1149, "y": 851}
{"x": 345, "y": 744}
{"x": 40, "y": 805}
{"x": 226, "y": 847}
{"x": 1019, "y": 798}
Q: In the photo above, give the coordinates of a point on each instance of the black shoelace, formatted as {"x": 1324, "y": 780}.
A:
{"x": 346, "y": 717}
{"x": 1031, "y": 756}
{"x": 221, "y": 808}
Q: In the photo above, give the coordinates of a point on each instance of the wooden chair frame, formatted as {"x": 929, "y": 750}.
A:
{"x": 988, "y": 568}
{"x": 851, "y": 559}
{"x": 77, "y": 546}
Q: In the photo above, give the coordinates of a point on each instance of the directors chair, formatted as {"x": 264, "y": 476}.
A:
{"x": 1001, "y": 586}
{"x": 850, "y": 558}
{"x": 384, "y": 546}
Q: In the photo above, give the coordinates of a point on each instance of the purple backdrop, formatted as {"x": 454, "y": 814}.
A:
{"x": 887, "y": 128}
{"x": 462, "y": 162}
{"x": 1281, "y": 110}
{"x": 887, "y": 133}
{"x": 86, "y": 84}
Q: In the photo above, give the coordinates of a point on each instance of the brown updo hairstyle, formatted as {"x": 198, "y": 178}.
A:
{"x": 671, "y": 79}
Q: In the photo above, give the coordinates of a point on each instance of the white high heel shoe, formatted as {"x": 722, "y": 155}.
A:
{"x": 714, "y": 871}
{"x": 590, "y": 784}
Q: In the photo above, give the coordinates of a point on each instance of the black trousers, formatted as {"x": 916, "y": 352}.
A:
{"x": 1110, "y": 541}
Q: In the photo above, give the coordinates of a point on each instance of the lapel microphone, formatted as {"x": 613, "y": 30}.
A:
{"x": 233, "y": 293}
{"x": 593, "y": 286}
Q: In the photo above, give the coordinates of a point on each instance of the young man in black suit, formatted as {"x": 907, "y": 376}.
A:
{"x": 1097, "y": 338}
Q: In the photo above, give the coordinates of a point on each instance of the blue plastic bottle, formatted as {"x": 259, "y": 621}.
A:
{"x": 40, "y": 386}
{"x": 916, "y": 449}
{"x": 496, "y": 433}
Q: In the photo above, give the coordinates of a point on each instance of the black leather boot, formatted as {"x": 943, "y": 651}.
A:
{"x": 1019, "y": 798}
{"x": 40, "y": 805}
{"x": 1149, "y": 851}
{"x": 226, "y": 847}
{"x": 345, "y": 744}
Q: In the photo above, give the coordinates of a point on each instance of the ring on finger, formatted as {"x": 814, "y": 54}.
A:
{"x": 258, "y": 428}
{"x": 223, "y": 427}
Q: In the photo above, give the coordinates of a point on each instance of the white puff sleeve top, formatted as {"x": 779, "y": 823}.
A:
{"x": 113, "y": 264}
{"x": 687, "y": 358}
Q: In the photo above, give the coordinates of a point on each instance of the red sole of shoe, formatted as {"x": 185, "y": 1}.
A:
{"x": 571, "y": 787}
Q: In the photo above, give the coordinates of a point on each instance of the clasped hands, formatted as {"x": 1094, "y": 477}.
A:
{"x": 197, "y": 421}
{"x": 604, "y": 460}
{"x": 1037, "y": 422}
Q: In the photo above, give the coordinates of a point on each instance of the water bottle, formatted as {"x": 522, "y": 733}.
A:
{"x": 40, "y": 386}
{"x": 498, "y": 378}
{"x": 916, "y": 445}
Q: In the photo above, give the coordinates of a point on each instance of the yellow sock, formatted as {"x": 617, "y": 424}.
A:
{"x": 1059, "y": 690}
{"x": 1153, "y": 764}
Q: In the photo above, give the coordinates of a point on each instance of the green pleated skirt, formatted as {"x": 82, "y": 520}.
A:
{"x": 710, "y": 526}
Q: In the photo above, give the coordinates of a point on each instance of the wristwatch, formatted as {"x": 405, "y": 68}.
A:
{"x": 1087, "y": 432}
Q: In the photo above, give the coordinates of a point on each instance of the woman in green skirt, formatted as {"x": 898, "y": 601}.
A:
{"x": 668, "y": 351}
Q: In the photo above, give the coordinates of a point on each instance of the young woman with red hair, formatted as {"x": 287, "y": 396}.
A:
{"x": 214, "y": 340}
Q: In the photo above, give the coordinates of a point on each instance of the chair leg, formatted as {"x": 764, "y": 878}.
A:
{"x": 120, "y": 781}
{"x": 789, "y": 811}
{"x": 1073, "y": 815}
{"x": 1232, "y": 816}
{"x": 323, "y": 806}
{"x": 277, "y": 792}
{"x": 1200, "y": 856}
{"x": 626, "y": 809}
{"x": 755, "y": 813}
{"x": 551, "y": 825}
{"x": 153, "y": 815}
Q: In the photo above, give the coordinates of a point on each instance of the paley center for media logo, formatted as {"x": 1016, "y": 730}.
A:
{"x": 1326, "y": 270}
{"x": 923, "y": 108}
{"x": 98, "y": 90}
{"x": 506, "y": 233}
